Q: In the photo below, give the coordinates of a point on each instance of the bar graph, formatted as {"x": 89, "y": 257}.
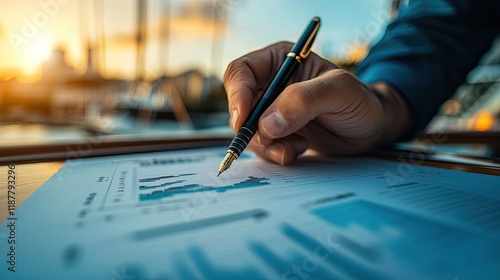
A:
{"x": 177, "y": 188}
{"x": 461, "y": 205}
{"x": 161, "y": 231}
{"x": 160, "y": 181}
{"x": 170, "y": 161}
{"x": 164, "y": 177}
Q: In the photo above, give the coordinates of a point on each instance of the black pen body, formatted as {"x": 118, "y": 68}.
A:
{"x": 251, "y": 124}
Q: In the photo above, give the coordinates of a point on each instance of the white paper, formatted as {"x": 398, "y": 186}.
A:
{"x": 167, "y": 216}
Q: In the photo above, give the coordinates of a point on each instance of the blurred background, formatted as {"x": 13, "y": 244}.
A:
{"x": 70, "y": 69}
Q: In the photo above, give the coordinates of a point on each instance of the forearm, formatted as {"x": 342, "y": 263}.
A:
{"x": 427, "y": 52}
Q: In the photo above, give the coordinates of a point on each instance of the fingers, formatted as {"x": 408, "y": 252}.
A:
{"x": 245, "y": 79}
{"x": 286, "y": 150}
{"x": 282, "y": 151}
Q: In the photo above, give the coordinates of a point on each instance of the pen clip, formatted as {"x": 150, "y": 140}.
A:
{"x": 306, "y": 49}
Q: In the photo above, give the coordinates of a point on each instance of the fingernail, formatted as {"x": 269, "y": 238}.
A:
{"x": 259, "y": 140}
{"x": 234, "y": 118}
{"x": 274, "y": 124}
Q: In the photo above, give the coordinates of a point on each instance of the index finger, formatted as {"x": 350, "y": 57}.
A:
{"x": 246, "y": 78}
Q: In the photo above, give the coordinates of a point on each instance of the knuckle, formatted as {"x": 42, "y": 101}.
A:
{"x": 282, "y": 45}
{"x": 301, "y": 95}
{"x": 342, "y": 76}
{"x": 233, "y": 68}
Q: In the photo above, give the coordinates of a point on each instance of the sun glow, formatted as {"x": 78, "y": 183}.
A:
{"x": 30, "y": 59}
{"x": 35, "y": 53}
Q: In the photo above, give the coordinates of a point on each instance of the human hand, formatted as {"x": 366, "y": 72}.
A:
{"x": 323, "y": 108}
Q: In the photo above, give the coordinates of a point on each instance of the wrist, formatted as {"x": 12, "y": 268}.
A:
{"x": 397, "y": 118}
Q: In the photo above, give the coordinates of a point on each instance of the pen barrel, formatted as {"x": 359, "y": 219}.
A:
{"x": 272, "y": 91}
{"x": 249, "y": 127}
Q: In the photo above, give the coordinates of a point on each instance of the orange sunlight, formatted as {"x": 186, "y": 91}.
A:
{"x": 482, "y": 121}
{"x": 357, "y": 52}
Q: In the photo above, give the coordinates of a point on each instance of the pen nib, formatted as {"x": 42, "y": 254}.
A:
{"x": 227, "y": 161}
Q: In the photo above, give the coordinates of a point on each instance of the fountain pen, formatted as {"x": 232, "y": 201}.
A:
{"x": 300, "y": 50}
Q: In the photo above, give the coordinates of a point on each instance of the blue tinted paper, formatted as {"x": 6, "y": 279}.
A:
{"x": 166, "y": 215}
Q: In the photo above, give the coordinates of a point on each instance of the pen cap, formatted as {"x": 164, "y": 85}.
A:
{"x": 302, "y": 48}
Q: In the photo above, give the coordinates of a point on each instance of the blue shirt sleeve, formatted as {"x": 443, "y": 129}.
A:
{"x": 427, "y": 52}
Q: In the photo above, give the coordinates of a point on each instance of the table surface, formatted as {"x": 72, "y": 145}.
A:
{"x": 29, "y": 177}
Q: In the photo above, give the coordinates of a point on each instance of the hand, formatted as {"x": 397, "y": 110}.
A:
{"x": 323, "y": 108}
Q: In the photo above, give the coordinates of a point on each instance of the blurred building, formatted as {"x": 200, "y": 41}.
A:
{"x": 64, "y": 96}
{"x": 60, "y": 96}
{"x": 476, "y": 104}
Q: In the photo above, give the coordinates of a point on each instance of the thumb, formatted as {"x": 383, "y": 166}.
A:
{"x": 302, "y": 102}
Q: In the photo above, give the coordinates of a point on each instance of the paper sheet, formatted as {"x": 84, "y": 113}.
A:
{"x": 167, "y": 216}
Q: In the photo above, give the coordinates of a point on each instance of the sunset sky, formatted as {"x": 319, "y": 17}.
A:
{"x": 29, "y": 29}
